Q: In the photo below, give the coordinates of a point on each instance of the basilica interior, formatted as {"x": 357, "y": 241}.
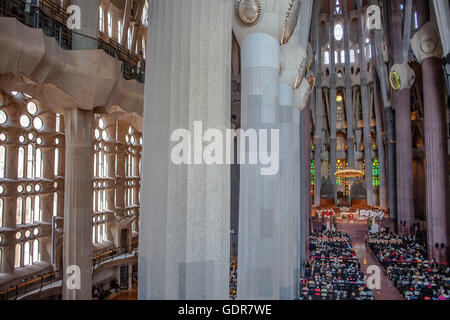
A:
{"x": 353, "y": 96}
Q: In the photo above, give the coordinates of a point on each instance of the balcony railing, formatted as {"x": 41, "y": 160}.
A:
{"x": 52, "y": 19}
{"x": 39, "y": 282}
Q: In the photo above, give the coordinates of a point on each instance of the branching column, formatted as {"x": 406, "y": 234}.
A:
{"x": 428, "y": 50}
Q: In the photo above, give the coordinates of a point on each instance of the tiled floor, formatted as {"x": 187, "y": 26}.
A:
{"x": 357, "y": 232}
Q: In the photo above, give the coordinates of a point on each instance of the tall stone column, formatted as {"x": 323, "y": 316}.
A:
{"x": 259, "y": 30}
{"x": 428, "y": 50}
{"x": 365, "y": 109}
{"x": 332, "y": 101}
{"x": 78, "y": 204}
{"x": 318, "y": 141}
{"x": 380, "y": 56}
{"x": 184, "y": 243}
{"x": 348, "y": 92}
{"x": 293, "y": 59}
{"x": 405, "y": 218}
{"x": 89, "y": 25}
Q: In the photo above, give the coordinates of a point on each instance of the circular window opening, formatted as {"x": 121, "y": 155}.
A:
{"x": 36, "y": 231}
{"x": 2, "y": 189}
{"x": 3, "y": 137}
{"x": 97, "y": 134}
{"x": 101, "y": 124}
{"x": 39, "y": 141}
{"x": 104, "y": 135}
{"x": 18, "y": 235}
{"x": 38, "y": 124}
{"x": 29, "y": 188}
{"x": 32, "y": 107}
{"x": 21, "y": 139}
{"x": 24, "y": 121}
{"x": 19, "y": 188}
{"x": 27, "y": 233}
{"x": 37, "y": 188}
{"x": 338, "y": 32}
{"x": 3, "y": 117}
{"x": 30, "y": 136}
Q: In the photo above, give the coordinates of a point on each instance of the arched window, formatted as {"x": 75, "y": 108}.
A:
{"x": 56, "y": 168}
{"x": 101, "y": 17}
{"x": 36, "y": 254}
{"x": 1, "y": 213}
{"x": 119, "y": 30}
{"x": 2, "y": 161}
{"x": 21, "y": 162}
{"x": 30, "y": 162}
{"x": 18, "y": 256}
{"x": 143, "y": 47}
{"x": 376, "y": 173}
{"x": 37, "y": 209}
{"x": 19, "y": 210}
{"x": 28, "y": 210}
{"x": 130, "y": 38}
{"x": 110, "y": 22}
{"x": 342, "y": 56}
{"x": 352, "y": 56}
{"x": 39, "y": 163}
{"x": 55, "y": 204}
{"x": 145, "y": 14}
{"x": 27, "y": 254}
{"x": 326, "y": 57}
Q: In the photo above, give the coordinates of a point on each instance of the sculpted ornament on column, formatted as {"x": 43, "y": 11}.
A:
{"x": 277, "y": 18}
{"x": 401, "y": 76}
{"x": 292, "y": 63}
{"x": 426, "y": 42}
{"x": 302, "y": 93}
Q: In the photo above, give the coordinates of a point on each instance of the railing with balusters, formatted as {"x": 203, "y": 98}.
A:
{"x": 38, "y": 282}
{"x": 52, "y": 19}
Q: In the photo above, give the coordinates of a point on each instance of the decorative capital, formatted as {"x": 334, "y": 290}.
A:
{"x": 426, "y": 43}
{"x": 272, "y": 17}
{"x": 401, "y": 76}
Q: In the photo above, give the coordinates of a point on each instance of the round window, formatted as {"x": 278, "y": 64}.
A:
{"x": 24, "y": 121}
{"x": 3, "y": 117}
{"x": 32, "y": 107}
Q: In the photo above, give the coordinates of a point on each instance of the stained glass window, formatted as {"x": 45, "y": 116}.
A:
{"x": 376, "y": 173}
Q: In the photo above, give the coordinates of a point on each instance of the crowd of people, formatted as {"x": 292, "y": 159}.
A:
{"x": 233, "y": 280}
{"x": 333, "y": 271}
{"x": 403, "y": 258}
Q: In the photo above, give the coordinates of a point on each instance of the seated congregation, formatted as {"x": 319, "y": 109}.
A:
{"x": 403, "y": 258}
{"x": 333, "y": 271}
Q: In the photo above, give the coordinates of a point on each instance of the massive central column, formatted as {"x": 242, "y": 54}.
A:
{"x": 405, "y": 217}
{"x": 293, "y": 63}
{"x": 428, "y": 50}
{"x": 184, "y": 242}
{"x": 260, "y": 27}
{"x": 77, "y": 260}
